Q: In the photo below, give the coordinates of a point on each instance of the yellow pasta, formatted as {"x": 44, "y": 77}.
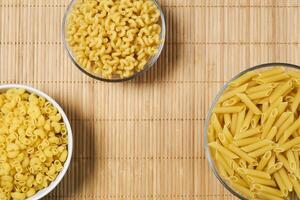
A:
{"x": 113, "y": 37}
{"x": 260, "y": 141}
{"x": 29, "y": 128}
{"x": 245, "y": 99}
{"x": 295, "y": 183}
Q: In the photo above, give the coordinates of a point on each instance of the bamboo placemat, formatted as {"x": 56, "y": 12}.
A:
{"x": 144, "y": 139}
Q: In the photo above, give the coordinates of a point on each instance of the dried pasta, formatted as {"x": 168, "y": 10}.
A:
{"x": 263, "y": 142}
{"x": 33, "y": 144}
{"x": 113, "y": 37}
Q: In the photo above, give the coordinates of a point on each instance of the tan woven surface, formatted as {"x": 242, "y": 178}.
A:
{"x": 144, "y": 139}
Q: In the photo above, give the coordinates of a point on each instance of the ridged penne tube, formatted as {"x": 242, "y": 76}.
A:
{"x": 229, "y": 109}
{"x": 282, "y": 107}
{"x": 271, "y": 161}
{"x": 262, "y": 188}
{"x": 242, "y": 163}
{"x": 227, "y": 119}
{"x": 221, "y": 170}
{"x": 224, "y": 164}
{"x": 280, "y": 184}
{"x": 278, "y": 77}
{"x": 233, "y": 123}
{"x": 223, "y": 139}
{"x": 227, "y": 134}
{"x": 253, "y": 172}
{"x": 272, "y": 133}
{"x": 243, "y": 79}
{"x": 284, "y": 176}
{"x": 273, "y": 105}
{"x": 261, "y": 94}
{"x": 222, "y": 150}
{"x": 240, "y": 120}
{"x": 281, "y": 90}
{"x": 296, "y": 102}
{"x": 284, "y": 161}
{"x": 245, "y": 99}
{"x": 242, "y": 154}
{"x": 291, "y": 160}
{"x": 248, "y": 133}
{"x": 231, "y": 102}
{"x": 286, "y": 124}
{"x": 262, "y": 150}
{"x": 264, "y": 160}
{"x": 260, "y": 88}
{"x": 295, "y": 74}
{"x": 246, "y": 122}
{"x": 254, "y": 121}
{"x": 265, "y": 106}
{"x": 267, "y": 196}
{"x": 271, "y": 72}
{"x": 247, "y": 141}
{"x": 256, "y": 145}
{"x": 274, "y": 168}
{"x": 238, "y": 180}
{"x": 287, "y": 145}
{"x": 232, "y": 93}
{"x": 282, "y": 119}
{"x": 244, "y": 190}
{"x": 263, "y": 181}
{"x": 290, "y": 130}
{"x": 296, "y": 184}
{"x": 215, "y": 123}
{"x": 268, "y": 125}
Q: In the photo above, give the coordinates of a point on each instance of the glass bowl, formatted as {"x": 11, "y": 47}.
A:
{"x": 207, "y": 120}
{"x": 42, "y": 193}
{"x": 116, "y": 78}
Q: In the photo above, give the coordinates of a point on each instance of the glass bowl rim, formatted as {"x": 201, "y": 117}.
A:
{"x": 151, "y": 62}
{"x": 208, "y": 116}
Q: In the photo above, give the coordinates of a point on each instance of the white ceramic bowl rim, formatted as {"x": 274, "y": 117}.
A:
{"x": 42, "y": 193}
{"x": 220, "y": 92}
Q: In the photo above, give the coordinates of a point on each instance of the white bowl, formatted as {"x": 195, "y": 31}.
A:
{"x": 40, "y": 194}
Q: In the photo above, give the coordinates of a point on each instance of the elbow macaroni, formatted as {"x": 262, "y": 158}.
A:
{"x": 260, "y": 113}
{"x": 33, "y": 146}
{"x": 113, "y": 37}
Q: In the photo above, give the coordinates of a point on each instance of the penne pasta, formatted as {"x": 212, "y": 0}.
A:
{"x": 257, "y": 145}
{"x": 261, "y": 151}
{"x": 280, "y": 184}
{"x": 281, "y": 90}
{"x": 229, "y": 109}
{"x": 245, "y": 99}
{"x": 222, "y": 150}
{"x": 264, "y": 160}
{"x": 247, "y": 141}
{"x": 284, "y": 176}
{"x": 233, "y": 123}
{"x": 232, "y": 93}
{"x": 254, "y": 134}
{"x": 274, "y": 168}
{"x": 242, "y": 154}
{"x": 278, "y": 77}
{"x": 269, "y": 123}
{"x": 296, "y": 184}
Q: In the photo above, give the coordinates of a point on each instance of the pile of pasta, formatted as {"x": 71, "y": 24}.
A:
{"x": 33, "y": 144}
{"x": 113, "y": 37}
{"x": 254, "y": 134}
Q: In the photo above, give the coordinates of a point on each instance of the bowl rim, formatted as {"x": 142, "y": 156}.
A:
{"x": 149, "y": 64}
{"x": 42, "y": 193}
{"x": 208, "y": 116}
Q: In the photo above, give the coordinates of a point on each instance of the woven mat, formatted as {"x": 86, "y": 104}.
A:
{"x": 143, "y": 139}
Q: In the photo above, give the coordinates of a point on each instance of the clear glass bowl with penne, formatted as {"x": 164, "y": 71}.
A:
{"x": 252, "y": 133}
{"x": 114, "y": 40}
